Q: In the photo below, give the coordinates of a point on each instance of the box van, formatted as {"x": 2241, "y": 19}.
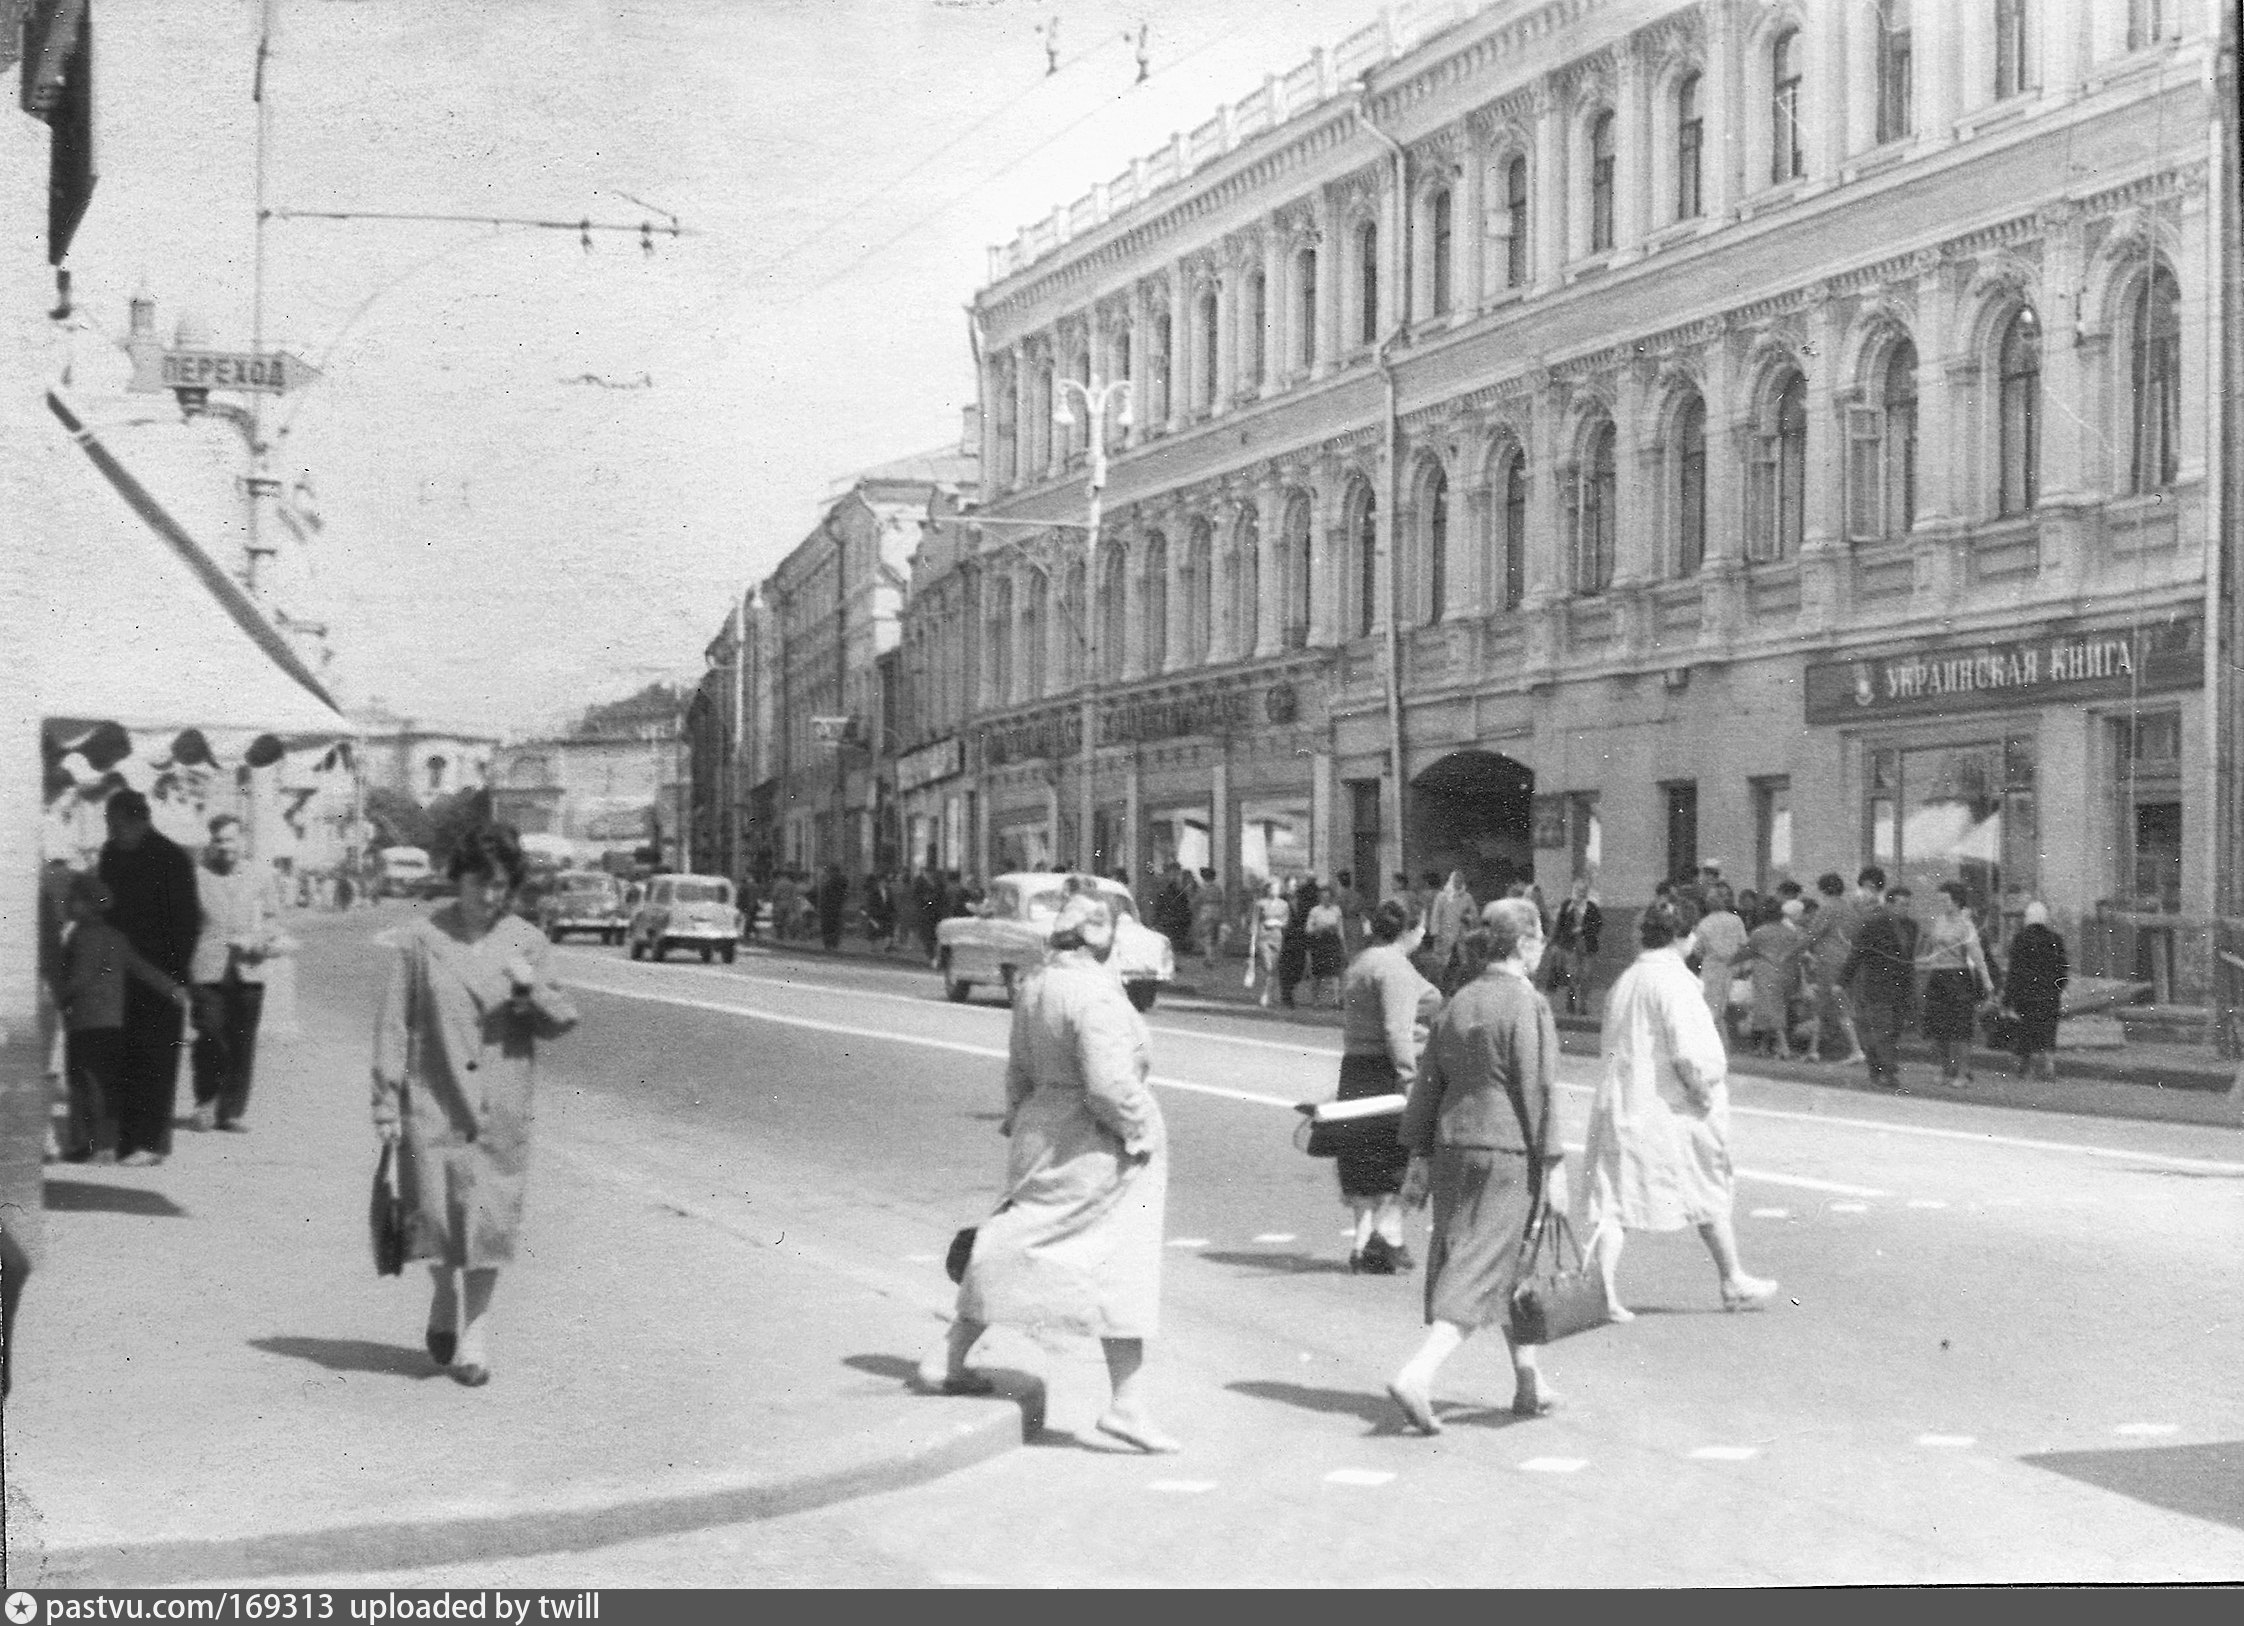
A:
{"x": 400, "y": 871}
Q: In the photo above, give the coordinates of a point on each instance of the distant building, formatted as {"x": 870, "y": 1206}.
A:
{"x": 614, "y": 782}
{"x": 420, "y": 760}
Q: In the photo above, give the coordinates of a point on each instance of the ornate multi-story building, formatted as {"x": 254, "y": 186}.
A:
{"x": 1602, "y": 436}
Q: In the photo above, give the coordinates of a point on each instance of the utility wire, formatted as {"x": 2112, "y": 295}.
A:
{"x": 582, "y": 225}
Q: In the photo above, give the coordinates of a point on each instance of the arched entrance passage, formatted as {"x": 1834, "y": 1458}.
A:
{"x": 1473, "y": 810}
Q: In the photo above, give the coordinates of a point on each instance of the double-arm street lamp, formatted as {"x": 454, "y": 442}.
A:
{"x": 1095, "y": 397}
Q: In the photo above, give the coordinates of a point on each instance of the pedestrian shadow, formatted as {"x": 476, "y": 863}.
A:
{"x": 1375, "y": 1409}
{"x": 1024, "y": 1389}
{"x": 87, "y": 1197}
{"x": 985, "y": 1117}
{"x": 353, "y": 1355}
{"x": 1269, "y": 1263}
{"x": 2197, "y": 1480}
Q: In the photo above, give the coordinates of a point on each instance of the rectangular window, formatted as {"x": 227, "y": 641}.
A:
{"x": 1690, "y": 138}
{"x": 2012, "y": 76}
{"x": 2148, "y": 22}
{"x": 1363, "y": 837}
{"x": 1896, "y": 68}
{"x": 1601, "y": 191}
{"x": 1772, "y": 832}
{"x": 1690, "y": 504}
{"x": 1681, "y": 802}
{"x": 1438, "y": 248}
{"x": 1585, "y": 836}
{"x": 1866, "y": 474}
{"x": 1515, "y": 221}
{"x": 1964, "y": 813}
{"x": 1305, "y": 309}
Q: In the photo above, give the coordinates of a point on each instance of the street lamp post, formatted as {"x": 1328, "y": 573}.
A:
{"x": 1095, "y": 396}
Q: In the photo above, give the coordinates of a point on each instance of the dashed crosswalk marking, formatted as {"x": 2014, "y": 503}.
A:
{"x": 1358, "y": 1476}
{"x": 1554, "y": 1465}
{"x": 1726, "y": 1453}
{"x": 1771, "y": 1213}
{"x": 1183, "y": 1487}
{"x": 1850, "y": 1208}
{"x": 1926, "y": 1202}
{"x": 1947, "y": 1441}
{"x": 2146, "y": 1431}
{"x": 1277, "y": 1236}
{"x": 919, "y": 1259}
{"x": 1188, "y": 1242}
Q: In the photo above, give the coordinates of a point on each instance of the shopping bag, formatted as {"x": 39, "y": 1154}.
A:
{"x": 1553, "y": 1299}
{"x": 385, "y": 1216}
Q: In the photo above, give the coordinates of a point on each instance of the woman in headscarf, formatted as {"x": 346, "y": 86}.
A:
{"x": 1449, "y": 917}
{"x": 2035, "y": 991}
{"x": 1772, "y": 962}
{"x": 1484, "y": 1142}
{"x": 1076, "y": 1245}
{"x": 1657, "y": 1156}
{"x": 1387, "y": 1007}
{"x": 455, "y": 1048}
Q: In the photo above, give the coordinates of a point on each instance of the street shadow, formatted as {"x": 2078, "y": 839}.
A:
{"x": 1268, "y": 1263}
{"x": 2190, "y": 1174}
{"x": 86, "y": 1197}
{"x": 985, "y": 1117}
{"x": 353, "y": 1355}
{"x": 2202, "y": 1481}
{"x": 1023, "y": 1389}
{"x": 883, "y": 1366}
{"x": 1373, "y": 1407}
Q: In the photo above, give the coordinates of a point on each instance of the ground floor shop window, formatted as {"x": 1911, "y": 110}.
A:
{"x": 2148, "y": 755}
{"x": 1772, "y": 832}
{"x": 1181, "y": 835}
{"x": 1957, "y": 813}
{"x": 1585, "y": 836}
{"x": 1364, "y": 798}
{"x": 1022, "y": 847}
{"x": 1273, "y": 840}
{"x": 1682, "y": 805}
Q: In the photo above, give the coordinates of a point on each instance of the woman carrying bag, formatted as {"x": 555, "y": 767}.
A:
{"x": 455, "y": 1046}
{"x": 1484, "y": 1144}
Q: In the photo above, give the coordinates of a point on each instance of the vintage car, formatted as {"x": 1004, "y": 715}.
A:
{"x": 582, "y": 900}
{"x": 684, "y": 911}
{"x": 1005, "y": 936}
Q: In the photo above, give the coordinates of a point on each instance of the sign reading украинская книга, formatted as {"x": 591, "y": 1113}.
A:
{"x": 2065, "y": 664}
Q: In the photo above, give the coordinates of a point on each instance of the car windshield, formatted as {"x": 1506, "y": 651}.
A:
{"x": 699, "y": 892}
{"x": 1044, "y": 904}
{"x": 586, "y": 883}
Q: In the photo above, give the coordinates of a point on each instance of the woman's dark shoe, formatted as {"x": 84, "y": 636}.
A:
{"x": 441, "y": 1346}
{"x": 1378, "y": 1258}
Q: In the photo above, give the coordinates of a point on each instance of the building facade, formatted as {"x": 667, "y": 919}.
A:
{"x": 1600, "y": 438}
{"x": 419, "y": 760}
{"x": 617, "y": 782}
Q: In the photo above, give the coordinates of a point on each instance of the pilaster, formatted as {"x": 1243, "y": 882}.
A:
{"x": 1270, "y": 585}
{"x": 1547, "y": 226}
{"x": 1632, "y": 153}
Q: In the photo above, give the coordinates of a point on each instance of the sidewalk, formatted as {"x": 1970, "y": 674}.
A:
{"x": 211, "y": 1383}
{"x": 2156, "y": 1082}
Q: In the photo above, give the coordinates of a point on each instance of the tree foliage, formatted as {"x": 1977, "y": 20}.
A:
{"x": 398, "y": 820}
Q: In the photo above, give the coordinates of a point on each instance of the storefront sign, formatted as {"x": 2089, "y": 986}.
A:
{"x": 1172, "y": 716}
{"x": 929, "y": 763}
{"x": 1963, "y": 678}
{"x": 1054, "y": 734}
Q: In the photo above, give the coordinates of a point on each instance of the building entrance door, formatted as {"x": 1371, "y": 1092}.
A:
{"x": 1474, "y": 811}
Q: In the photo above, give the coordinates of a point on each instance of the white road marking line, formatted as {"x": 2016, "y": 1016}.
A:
{"x": 1848, "y": 1208}
{"x": 1947, "y": 1441}
{"x": 1280, "y": 1236}
{"x": 919, "y": 1259}
{"x": 1357, "y": 1476}
{"x": 1726, "y": 1453}
{"x": 2147, "y": 1431}
{"x": 1926, "y": 1202}
{"x": 1554, "y": 1465}
{"x": 1805, "y": 1183}
{"x": 1183, "y": 1487}
{"x": 1188, "y": 1242}
{"x": 1771, "y": 1213}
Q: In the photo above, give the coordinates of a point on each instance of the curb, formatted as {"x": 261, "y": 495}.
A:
{"x": 452, "y": 1538}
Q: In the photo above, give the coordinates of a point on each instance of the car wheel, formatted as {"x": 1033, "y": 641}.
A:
{"x": 728, "y": 951}
{"x": 1005, "y": 975}
{"x": 553, "y": 934}
{"x": 1142, "y": 994}
{"x": 954, "y": 990}
{"x": 638, "y": 949}
{"x": 659, "y": 948}
{"x": 707, "y": 954}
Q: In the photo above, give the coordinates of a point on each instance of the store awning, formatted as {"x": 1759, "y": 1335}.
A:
{"x": 138, "y": 626}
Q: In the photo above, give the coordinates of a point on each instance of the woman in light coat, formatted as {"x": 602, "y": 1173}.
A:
{"x": 1076, "y": 1245}
{"x": 1719, "y": 937}
{"x": 1657, "y": 1157}
{"x": 455, "y": 1051}
{"x": 1449, "y": 917}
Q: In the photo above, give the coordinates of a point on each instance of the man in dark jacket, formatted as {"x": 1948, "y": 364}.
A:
{"x": 833, "y": 894}
{"x": 1576, "y": 935}
{"x": 1880, "y": 975}
{"x": 161, "y": 914}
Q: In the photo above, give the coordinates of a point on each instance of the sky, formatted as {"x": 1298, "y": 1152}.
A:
{"x": 544, "y": 473}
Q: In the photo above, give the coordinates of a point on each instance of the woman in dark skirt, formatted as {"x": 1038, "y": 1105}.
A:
{"x": 1483, "y": 1140}
{"x": 1387, "y": 1007}
{"x": 1293, "y": 946}
{"x": 1956, "y": 980}
{"x": 2035, "y": 992}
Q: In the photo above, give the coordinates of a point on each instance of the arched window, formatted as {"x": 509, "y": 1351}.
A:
{"x": 1075, "y": 434}
{"x": 1005, "y": 422}
{"x": 1258, "y": 317}
{"x": 1204, "y": 342}
{"x": 1437, "y": 248}
{"x": 1114, "y": 614}
{"x": 999, "y": 643}
{"x": 1156, "y": 593}
{"x": 1242, "y": 584}
{"x": 1601, "y": 183}
{"x": 1199, "y": 567}
{"x": 1298, "y": 571}
{"x": 1896, "y": 71}
{"x": 1040, "y": 420}
{"x": 2018, "y": 414}
{"x": 1035, "y": 642}
{"x": 2013, "y": 77}
{"x": 1690, "y": 140}
{"x": 1118, "y": 353}
{"x": 1434, "y": 518}
{"x": 1513, "y": 485}
{"x": 1163, "y": 362}
{"x": 1305, "y": 308}
{"x": 2148, "y": 22}
{"x": 1592, "y": 513}
{"x": 2155, "y": 377}
{"x": 1363, "y": 537}
{"x": 1787, "y": 148}
{"x": 1689, "y": 454}
{"x": 1780, "y": 472}
{"x": 1367, "y": 284}
{"x": 1515, "y": 223}
{"x": 1882, "y": 452}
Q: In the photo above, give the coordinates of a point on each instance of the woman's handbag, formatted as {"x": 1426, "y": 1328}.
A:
{"x": 1553, "y": 1300}
{"x": 962, "y": 1250}
{"x": 385, "y": 1216}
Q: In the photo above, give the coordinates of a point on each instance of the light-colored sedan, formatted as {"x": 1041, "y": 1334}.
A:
{"x": 1007, "y": 935}
{"x": 685, "y": 911}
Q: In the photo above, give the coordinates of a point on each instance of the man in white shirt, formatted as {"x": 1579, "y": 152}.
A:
{"x": 228, "y": 974}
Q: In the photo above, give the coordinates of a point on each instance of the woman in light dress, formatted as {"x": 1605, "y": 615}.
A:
{"x": 1719, "y": 938}
{"x": 1657, "y": 1156}
{"x": 1956, "y": 979}
{"x": 1076, "y": 1245}
{"x": 1268, "y": 923}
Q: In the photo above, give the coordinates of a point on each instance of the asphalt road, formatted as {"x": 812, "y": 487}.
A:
{"x": 2005, "y": 1350}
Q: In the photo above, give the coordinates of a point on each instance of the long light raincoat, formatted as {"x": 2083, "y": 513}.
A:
{"x": 1657, "y": 1157}
{"x": 1077, "y": 1245}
